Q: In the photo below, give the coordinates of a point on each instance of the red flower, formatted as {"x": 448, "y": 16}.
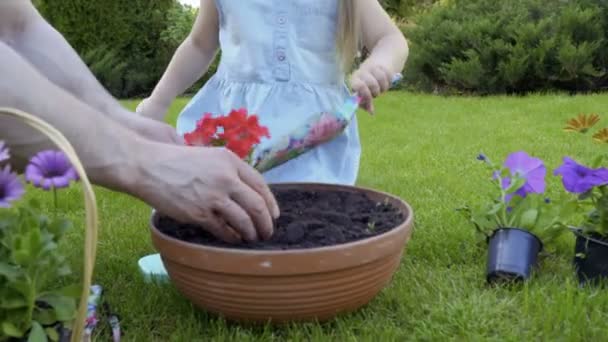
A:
{"x": 237, "y": 125}
{"x": 240, "y": 132}
{"x": 208, "y": 125}
{"x": 240, "y": 148}
{"x": 197, "y": 138}
{"x": 204, "y": 134}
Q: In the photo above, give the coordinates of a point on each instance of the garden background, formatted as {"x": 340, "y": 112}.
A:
{"x": 482, "y": 76}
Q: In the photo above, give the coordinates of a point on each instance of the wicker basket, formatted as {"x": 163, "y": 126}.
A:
{"x": 90, "y": 242}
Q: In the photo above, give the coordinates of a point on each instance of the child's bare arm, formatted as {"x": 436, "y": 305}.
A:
{"x": 388, "y": 52}
{"x": 190, "y": 61}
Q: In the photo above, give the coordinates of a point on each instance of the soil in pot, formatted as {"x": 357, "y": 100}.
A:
{"x": 591, "y": 258}
{"x": 512, "y": 254}
{"x": 308, "y": 219}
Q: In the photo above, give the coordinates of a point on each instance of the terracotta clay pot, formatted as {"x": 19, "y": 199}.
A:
{"x": 289, "y": 285}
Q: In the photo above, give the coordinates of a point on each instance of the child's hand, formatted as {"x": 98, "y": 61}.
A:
{"x": 369, "y": 81}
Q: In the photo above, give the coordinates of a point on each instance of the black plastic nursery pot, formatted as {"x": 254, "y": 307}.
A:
{"x": 590, "y": 258}
{"x": 512, "y": 253}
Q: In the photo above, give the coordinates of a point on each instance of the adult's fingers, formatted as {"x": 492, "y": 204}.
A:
{"x": 254, "y": 205}
{"x": 218, "y": 228}
{"x": 255, "y": 180}
{"x": 237, "y": 218}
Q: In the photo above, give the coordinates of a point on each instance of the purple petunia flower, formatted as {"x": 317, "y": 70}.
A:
{"x": 50, "y": 169}
{"x": 578, "y": 178}
{"x": 11, "y": 188}
{"x": 532, "y": 169}
{"x": 4, "y": 155}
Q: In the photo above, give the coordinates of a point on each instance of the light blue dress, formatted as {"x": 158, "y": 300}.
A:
{"x": 278, "y": 60}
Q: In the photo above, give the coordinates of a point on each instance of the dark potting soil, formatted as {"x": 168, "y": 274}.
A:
{"x": 308, "y": 219}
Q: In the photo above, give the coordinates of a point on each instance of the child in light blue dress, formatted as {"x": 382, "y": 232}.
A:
{"x": 285, "y": 60}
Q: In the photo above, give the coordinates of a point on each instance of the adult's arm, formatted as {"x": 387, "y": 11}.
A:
{"x": 208, "y": 186}
{"x": 27, "y": 32}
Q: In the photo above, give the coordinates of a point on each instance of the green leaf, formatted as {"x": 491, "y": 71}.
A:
{"x": 52, "y": 334}
{"x": 585, "y": 195}
{"x": 528, "y": 218}
{"x": 495, "y": 208}
{"x": 516, "y": 183}
{"x": 37, "y": 333}
{"x": 10, "y": 272}
{"x": 9, "y": 329}
{"x": 59, "y": 227}
{"x": 597, "y": 161}
{"x": 21, "y": 257}
{"x": 35, "y": 204}
{"x": 65, "y": 307}
{"x": 64, "y": 270}
{"x": 45, "y": 316}
{"x": 72, "y": 291}
{"x": 13, "y": 303}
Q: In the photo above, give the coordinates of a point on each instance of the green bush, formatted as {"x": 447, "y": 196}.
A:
{"x": 107, "y": 66}
{"x": 513, "y": 46}
{"x": 408, "y": 8}
{"x": 131, "y": 30}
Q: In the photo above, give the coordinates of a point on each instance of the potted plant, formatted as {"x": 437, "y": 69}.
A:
{"x": 589, "y": 185}
{"x": 519, "y": 220}
{"x": 333, "y": 248}
{"x": 33, "y": 307}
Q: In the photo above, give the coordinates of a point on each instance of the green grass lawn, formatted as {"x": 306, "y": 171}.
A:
{"x": 421, "y": 148}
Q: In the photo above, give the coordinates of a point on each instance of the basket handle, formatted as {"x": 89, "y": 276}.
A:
{"x": 90, "y": 243}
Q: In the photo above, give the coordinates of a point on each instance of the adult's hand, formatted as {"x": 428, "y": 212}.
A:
{"x": 207, "y": 186}
{"x": 154, "y": 130}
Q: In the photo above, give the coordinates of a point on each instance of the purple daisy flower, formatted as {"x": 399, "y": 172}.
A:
{"x": 50, "y": 169}
{"x": 11, "y": 188}
{"x": 577, "y": 178}
{"x": 532, "y": 169}
{"x": 4, "y": 155}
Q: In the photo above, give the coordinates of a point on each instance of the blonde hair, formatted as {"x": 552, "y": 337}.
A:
{"x": 348, "y": 32}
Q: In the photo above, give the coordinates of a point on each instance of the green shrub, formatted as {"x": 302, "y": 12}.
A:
{"x": 408, "y": 8}
{"x": 486, "y": 46}
{"x": 130, "y": 29}
{"x": 107, "y": 67}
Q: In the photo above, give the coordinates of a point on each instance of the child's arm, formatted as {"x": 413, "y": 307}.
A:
{"x": 388, "y": 52}
{"x": 190, "y": 61}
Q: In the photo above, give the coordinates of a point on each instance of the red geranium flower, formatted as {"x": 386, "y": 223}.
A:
{"x": 205, "y": 132}
{"x": 240, "y": 132}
